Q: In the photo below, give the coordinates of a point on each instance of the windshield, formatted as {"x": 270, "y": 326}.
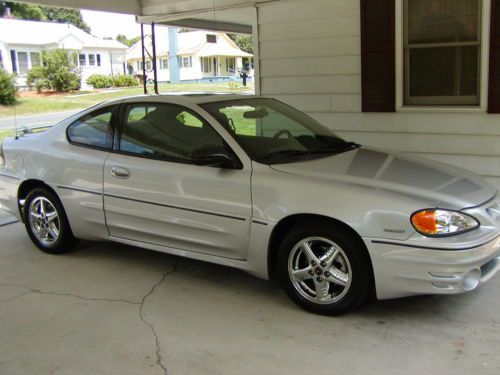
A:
{"x": 272, "y": 132}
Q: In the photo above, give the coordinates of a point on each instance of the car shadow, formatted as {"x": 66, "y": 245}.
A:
{"x": 422, "y": 308}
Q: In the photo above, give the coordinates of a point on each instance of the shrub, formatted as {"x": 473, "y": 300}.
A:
{"x": 36, "y": 79}
{"x": 7, "y": 88}
{"x": 124, "y": 81}
{"x": 60, "y": 71}
{"x": 100, "y": 81}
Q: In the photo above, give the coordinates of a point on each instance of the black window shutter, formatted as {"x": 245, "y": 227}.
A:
{"x": 378, "y": 55}
{"x": 13, "y": 58}
{"x": 494, "y": 73}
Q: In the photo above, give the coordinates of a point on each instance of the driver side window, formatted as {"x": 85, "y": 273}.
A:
{"x": 166, "y": 131}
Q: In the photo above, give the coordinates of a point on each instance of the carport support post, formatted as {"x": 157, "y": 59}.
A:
{"x": 173, "y": 60}
{"x": 143, "y": 61}
{"x": 155, "y": 72}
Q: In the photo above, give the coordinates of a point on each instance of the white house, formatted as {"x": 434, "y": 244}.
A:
{"x": 21, "y": 44}
{"x": 201, "y": 55}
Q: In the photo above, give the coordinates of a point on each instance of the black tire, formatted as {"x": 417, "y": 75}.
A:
{"x": 65, "y": 241}
{"x": 358, "y": 264}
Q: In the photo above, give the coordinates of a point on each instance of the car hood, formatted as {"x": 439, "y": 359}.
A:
{"x": 436, "y": 184}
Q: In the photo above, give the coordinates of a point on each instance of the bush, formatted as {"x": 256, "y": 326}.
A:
{"x": 36, "y": 79}
{"x": 7, "y": 88}
{"x": 60, "y": 71}
{"x": 100, "y": 81}
{"x": 124, "y": 81}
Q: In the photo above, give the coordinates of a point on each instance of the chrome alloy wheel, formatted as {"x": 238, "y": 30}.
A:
{"x": 319, "y": 270}
{"x": 44, "y": 221}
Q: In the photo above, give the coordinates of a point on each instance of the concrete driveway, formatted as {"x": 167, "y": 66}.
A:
{"x": 113, "y": 309}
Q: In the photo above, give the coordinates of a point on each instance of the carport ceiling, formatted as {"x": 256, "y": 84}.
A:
{"x": 223, "y": 15}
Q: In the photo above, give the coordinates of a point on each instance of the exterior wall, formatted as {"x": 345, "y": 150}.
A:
{"x": 106, "y": 67}
{"x": 188, "y": 74}
{"x": 310, "y": 57}
{"x": 6, "y": 61}
{"x": 20, "y": 79}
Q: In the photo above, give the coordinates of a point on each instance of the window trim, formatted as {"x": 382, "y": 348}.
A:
{"x": 110, "y": 139}
{"x": 121, "y": 123}
{"x": 164, "y": 66}
{"x": 401, "y": 106}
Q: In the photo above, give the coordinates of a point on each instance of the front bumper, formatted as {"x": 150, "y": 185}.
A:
{"x": 402, "y": 271}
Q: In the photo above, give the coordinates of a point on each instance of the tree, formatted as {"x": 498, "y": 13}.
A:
{"x": 243, "y": 41}
{"x": 128, "y": 42}
{"x": 58, "y": 71}
{"x": 7, "y": 88}
{"x": 41, "y": 13}
{"x": 63, "y": 15}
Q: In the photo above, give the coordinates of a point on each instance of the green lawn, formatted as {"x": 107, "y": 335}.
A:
{"x": 40, "y": 104}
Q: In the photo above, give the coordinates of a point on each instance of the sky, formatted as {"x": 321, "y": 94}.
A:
{"x": 103, "y": 24}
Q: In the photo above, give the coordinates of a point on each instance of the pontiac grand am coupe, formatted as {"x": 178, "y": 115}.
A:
{"x": 251, "y": 183}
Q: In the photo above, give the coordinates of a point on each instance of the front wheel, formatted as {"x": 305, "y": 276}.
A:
{"x": 324, "y": 269}
{"x": 46, "y": 222}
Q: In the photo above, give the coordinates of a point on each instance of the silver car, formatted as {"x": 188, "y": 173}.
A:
{"x": 251, "y": 183}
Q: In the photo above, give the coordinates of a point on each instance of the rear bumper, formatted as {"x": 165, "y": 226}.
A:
{"x": 405, "y": 271}
{"x": 9, "y": 186}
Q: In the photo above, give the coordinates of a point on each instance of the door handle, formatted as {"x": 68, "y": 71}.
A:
{"x": 120, "y": 172}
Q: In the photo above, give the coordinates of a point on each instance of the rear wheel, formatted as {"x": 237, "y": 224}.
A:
{"x": 46, "y": 222}
{"x": 324, "y": 269}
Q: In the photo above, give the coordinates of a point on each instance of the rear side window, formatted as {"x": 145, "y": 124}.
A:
{"x": 93, "y": 129}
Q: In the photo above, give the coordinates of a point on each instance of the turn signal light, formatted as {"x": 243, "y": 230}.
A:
{"x": 441, "y": 223}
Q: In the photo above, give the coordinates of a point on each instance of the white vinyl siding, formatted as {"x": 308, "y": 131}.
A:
{"x": 309, "y": 57}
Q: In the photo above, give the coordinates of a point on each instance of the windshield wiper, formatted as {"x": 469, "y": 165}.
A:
{"x": 338, "y": 149}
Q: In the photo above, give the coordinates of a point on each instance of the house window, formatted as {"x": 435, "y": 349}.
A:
{"x": 98, "y": 56}
{"x": 149, "y": 66}
{"x": 83, "y": 59}
{"x": 442, "y": 45}
{"x": 163, "y": 63}
{"x": 206, "y": 66}
{"x": 231, "y": 65}
{"x": 35, "y": 59}
{"x": 91, "y": 59}
{"x": 186, "y": 62}
{"x": 22, "y": 61}
{"x": 211, "y": 38}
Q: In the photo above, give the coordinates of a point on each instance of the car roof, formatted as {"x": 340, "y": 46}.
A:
{"x": 184, "y": 98}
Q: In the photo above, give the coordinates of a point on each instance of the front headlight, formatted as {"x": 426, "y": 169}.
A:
{"x": 441, "y": 223}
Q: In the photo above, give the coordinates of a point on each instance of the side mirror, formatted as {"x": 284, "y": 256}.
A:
{"x": 215, "y": 156}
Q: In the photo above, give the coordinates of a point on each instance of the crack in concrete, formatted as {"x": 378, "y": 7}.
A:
{"x": 37, "y": 291}
{"x": 159, "y": 357}
{"x": 15, "y": 297}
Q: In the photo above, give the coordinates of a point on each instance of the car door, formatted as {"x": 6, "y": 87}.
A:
{"x": 155, "y": 193}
